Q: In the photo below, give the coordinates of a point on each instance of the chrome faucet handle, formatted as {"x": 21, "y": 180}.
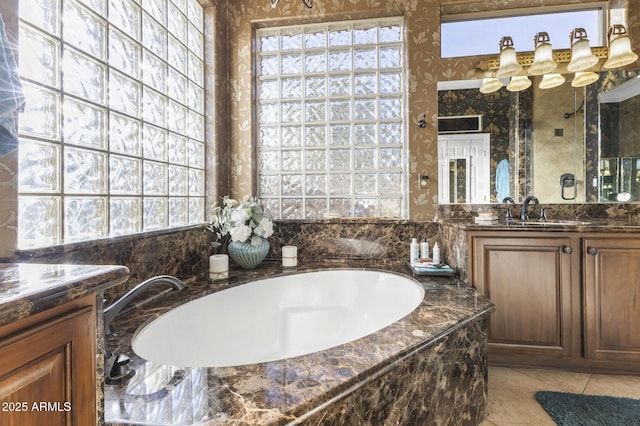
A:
{"x": 508, "y": 214}
{"x": 543, "y": 213}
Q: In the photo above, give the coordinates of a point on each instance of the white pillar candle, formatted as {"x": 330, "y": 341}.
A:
{"x": 289, "y": 256}
{"x": 218, "y": 267}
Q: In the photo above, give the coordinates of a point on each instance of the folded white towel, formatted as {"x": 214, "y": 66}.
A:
{"x": 486, "y": 221}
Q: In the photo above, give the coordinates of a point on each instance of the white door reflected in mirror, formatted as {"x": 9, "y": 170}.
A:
{"x": 463, "y": 168}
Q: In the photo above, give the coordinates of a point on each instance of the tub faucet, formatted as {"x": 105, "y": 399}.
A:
{"x": 111, "y": 312}
{"x": 524, "y": 214}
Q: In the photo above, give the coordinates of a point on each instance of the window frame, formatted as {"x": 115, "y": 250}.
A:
{"x": 522, "y": 42}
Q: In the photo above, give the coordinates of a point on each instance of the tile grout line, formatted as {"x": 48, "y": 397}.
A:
{"x": 586, "y": 384}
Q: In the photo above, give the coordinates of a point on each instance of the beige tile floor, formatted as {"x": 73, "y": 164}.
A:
{"x": 511, "y": 401}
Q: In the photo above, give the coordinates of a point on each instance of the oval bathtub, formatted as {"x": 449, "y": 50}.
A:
{"x": 278, "y": 318}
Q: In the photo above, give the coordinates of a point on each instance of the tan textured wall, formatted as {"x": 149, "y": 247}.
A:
{"x": 425, "y": 69}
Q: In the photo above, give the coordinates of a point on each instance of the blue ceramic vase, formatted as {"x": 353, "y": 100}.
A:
{"x": 246, "y": 255}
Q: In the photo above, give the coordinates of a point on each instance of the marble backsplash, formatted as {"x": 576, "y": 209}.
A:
{"x": 381, "y": 240}
{"x": 184, "y": 252}
{"x": 613, "y": 211}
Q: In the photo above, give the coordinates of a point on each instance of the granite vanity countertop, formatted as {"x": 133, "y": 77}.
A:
{"x": 280, "y": 391}
{"x": 630, "y": 225}
{"x": 28, "y": 288}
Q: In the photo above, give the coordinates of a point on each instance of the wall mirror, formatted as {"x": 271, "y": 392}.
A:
{"x": 619, "y": 124}
{"x": 548, "y": 142}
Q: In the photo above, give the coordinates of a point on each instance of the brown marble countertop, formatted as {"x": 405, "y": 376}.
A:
{"x": 27, "y": 288}
{"x": 281, "y": 391}
{"x": 629, "y": 225}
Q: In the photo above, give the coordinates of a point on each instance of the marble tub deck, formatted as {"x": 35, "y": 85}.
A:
{"x": 430, "y": 368}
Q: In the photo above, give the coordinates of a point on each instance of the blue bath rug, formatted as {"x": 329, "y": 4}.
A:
{"x": 570, "y": 409}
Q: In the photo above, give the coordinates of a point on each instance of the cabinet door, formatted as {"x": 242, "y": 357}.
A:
{"x": 529, "y": 281}
{"x": 43, "y": 373}
{"x": 612, "y": 299}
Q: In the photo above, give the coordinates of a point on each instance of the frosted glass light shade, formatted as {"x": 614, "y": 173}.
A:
{"x": 583, "y": 78}
{"x": 581, "y": 56}
{"x": 509, "y": 65}
{"x": 490, "y": 85}
{"x": 550, "y": 81}
{"x": 543, "y": 57}
{"x": 518, "y": 83}
{"x": 620, "y": 53}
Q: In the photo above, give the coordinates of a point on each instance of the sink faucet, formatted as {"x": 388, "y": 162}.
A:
{"x": 524, "y": 215}
{"x": 111, "y": 312}
{"x": 508, "y": 215}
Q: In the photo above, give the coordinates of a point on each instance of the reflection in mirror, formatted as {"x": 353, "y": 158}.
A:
{"x": 458, "y": 186}
{"x": 463, "y": 168}
{"x": 557, "y": 144}
{"x": 543, "y": 134}
{"x": 619, "y": 109}
{"x": 535, "y": 136}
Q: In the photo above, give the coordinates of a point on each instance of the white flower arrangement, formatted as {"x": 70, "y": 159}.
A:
{"x": 234, "y": 221}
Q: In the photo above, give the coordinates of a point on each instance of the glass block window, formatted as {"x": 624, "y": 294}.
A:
{"x": 112, "y": 138}
{"x": 331, "y": 119}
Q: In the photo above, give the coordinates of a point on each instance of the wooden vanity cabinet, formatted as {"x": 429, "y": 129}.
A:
{"x": 569, "y": 300}
{"x": 528, "y": 278}
{"x": 48, "y": 368}
{"x": 612, "y": 300}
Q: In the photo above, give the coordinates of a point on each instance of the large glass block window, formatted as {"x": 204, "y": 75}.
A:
{"x": 112, "y": 138}
{"x": 331, "y": 119}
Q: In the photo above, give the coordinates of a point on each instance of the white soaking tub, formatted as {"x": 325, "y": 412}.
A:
{"x": 278, "y": 318}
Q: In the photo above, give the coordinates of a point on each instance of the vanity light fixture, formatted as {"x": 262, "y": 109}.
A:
{"x": 518, "y": 83}
{"x": 307, "y": 3}
{"x": 581, "y": 56}
{"x": 549, "y": 81}
{"x": 490, "y": 85}
{"x": 620, "y": 52}
{"x": 543, "y": 57}
{"x": 509, "y": 65}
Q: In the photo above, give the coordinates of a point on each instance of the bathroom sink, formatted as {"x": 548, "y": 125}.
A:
{"x": 549, "y": 222}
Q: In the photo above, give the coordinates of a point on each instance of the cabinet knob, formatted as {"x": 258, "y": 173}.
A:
{"x": 592, "y": 251}
{"x": 567, "y": 250}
